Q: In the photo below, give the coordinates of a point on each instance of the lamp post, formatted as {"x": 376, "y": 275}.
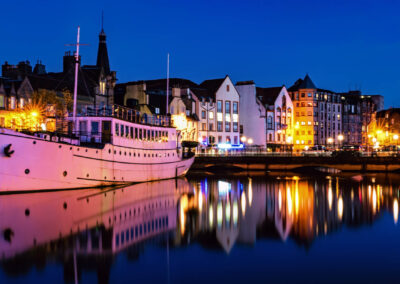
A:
{"x": 207, "y": 108}
{"x": 330, "y": 141}
{"x": 340, "y": 138}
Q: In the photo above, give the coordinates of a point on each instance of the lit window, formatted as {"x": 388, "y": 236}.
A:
{"x": 211, "y": 115}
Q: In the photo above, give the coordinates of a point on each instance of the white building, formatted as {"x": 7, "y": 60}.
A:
{"x": 253, "y": 123}
{"x": 219, "y": 112}
{"x": 279, "y": 116}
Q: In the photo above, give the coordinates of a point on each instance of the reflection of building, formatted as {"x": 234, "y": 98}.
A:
{"x": 100, "y": 223}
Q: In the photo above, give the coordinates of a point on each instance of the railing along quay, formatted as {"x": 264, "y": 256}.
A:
{"x": 290, "y": 161}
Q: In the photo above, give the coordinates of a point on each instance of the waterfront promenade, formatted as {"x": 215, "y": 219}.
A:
{"x": 289, "y": 161}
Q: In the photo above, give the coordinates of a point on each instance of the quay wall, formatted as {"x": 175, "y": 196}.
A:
{"x": 265, "y": 163}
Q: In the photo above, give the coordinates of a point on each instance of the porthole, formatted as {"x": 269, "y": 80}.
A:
{"x": 27, "y": 212}
{"x": 109, "y": 151}
{"x": 34, "y": 142}
{"x": 115, "y": 152}
{"x": 145, "y": 155}
{"x": 134, "y": 154}
{"x": 27, "y": 171}
{"x": 65, "y": 205}
{"x": 105, "y": 177}
{"x": 77, "y": 149}
{"x": 70, "y": 148}
{"x": 125, "y": 153}
{"x": 120, "y": 152}
{"x": 65, "y": 173}
{"x": 130, "y": 154}
{"x": 87, "y": 175}
{"x": 59, "y": 146}
{"x": 86, "y": 151}
{"x": 97, "y": 151}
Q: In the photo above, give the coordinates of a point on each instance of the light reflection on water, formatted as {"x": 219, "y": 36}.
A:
{"x": 102, "y": 235}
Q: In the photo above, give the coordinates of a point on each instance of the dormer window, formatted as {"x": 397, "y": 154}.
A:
{"x": 12, "y": 104}
{"x": 102, "y": 87}
{"x": 21, "y": 103}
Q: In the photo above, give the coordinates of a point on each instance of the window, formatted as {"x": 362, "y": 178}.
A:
{"x": 309, "y": 95}
{"x": 211, "y": 115}
{"x": 219, "y": 126}
{"x": 157, "y": 110}
{"x": 219, "y": 139}
{"x": 235, "y": 140}
{"x": 2, "y": 101}
{"x": 219, "y": 106}
{"x": 2, "y": 121}
{"x": 127, "y": 131}
{"x": 203, "y": 114}
{"x": 211, "y": 127}
{"x": 227, "y": 88}
{"x": 102, "y": 87}
{"x": 228, "y": 139}
{"x": 122, "y": 130}
{"x": 235, "y": 107}
{"x": 117, "y": 129}
{"x": 227, "y": 126}
{"x": 235, "y": 127}
{"x": 136, "y": 133}
{"x": 95, "y": 127}
{"x": 227, "y": 107}
{"x": 203, "y": 127}
{"x": 21, "y": 103}
{"x": 132, "y": 133}
{"x": 12, "y": 102}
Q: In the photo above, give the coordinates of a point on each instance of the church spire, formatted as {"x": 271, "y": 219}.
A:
{"x": 102, "y": 54}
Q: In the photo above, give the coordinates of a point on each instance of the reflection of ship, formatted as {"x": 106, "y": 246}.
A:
{"x": 89, "y": 223}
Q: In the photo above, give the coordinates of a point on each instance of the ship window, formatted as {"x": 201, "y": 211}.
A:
{"x": 140, "y": 134}
{"x": 127, "y": 131}
{"x": 136, "y": 133}
{"x": 122, "y": 130}
{"x": 117, "y": 240}
{"x": 152, "y": 135}
{"x": 148, "y": 134}
{"x": 145, "y": 155}
{"x": 117, "y": 129}
{"x": 95, "y": 127}
{"x": 134, "y": 154}
{"x": 132, "y": 133}
{"x": 136, "y": 231}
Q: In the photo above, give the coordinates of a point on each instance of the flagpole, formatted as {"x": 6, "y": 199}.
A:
{"x": 167, "y": 108}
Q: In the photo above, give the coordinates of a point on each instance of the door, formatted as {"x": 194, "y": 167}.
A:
{"x": 106, "y": 131}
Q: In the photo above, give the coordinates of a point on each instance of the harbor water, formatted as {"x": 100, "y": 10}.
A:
{"x": 254, "y": 228}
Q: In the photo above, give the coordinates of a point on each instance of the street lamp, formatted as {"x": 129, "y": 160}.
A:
{"x": 243, "y": 139}
{"x": 340, "y": 138}
{"x": 396, "y": 138}
{"x": 330, "y": 141}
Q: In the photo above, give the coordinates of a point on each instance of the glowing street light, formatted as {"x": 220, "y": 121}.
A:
{"x": 243, "y": 139}
{"x": 340, "y": 138}
{"x": 250, "y": 141}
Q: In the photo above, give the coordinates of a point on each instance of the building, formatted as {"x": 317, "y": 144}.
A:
{"x": 149, "y": 97}
{"x": 219, "y": 112}
{"x": 252, "y": 127}
{"x": 318, "y": 115}
{"x": 19, "y": 83}
{"x": 357, "y": 113}
{"x": 279, "y": 117}
{"x": 384, "y": 129}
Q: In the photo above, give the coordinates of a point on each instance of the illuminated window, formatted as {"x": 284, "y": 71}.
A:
{"x": 235, "y": 107}
{"x": 228, "y": 107}
{"x": 211, "y": 115}
{"x": 227, "y": 117}
{"x": 12, "y": 102}
{"x": 102, "y": 87}
{"x": 21, "y": 102}
{"x": 203, "y": 114}
{"x": 2, "y": 101}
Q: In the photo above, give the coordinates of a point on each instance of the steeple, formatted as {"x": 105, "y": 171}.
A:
{"x": 102, "y": 54}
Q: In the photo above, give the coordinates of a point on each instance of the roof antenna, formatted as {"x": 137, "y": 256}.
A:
{"x": 102, "y": 19}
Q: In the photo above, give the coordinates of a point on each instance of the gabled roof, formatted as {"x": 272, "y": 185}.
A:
{"x": 268, "y": 95}
{"x": 162, "y": 83}
{"x": 212, "y": 85}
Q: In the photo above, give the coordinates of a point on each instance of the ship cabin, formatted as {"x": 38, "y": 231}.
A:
{"x": 123, "y": 127}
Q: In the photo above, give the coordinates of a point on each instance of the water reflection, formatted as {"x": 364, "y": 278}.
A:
{"x": 285, "y": 207}
{"x": 85, "y": 230}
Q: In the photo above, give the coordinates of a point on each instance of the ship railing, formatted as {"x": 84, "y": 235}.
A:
{"x": 124, "y": 113}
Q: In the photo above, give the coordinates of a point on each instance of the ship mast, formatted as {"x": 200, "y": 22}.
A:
{"x": 167, "y": 83}
{"x": 76, "y": 79}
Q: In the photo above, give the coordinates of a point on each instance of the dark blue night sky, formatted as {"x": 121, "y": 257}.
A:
{"x": 341, "y": 44}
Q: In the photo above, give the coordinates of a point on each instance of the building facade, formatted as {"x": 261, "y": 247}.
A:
{"x": 253, "y": 127}
{"x": 318, "y": 115}
{"x": 279, "y": 117}
{"x": 219, "y": 112}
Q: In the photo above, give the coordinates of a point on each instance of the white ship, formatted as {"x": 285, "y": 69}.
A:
{"x": 105, "y": 146}
{"x": 110, "y": 147}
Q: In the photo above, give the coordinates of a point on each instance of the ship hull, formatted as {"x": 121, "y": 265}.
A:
{"x": 39, "y": 164}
